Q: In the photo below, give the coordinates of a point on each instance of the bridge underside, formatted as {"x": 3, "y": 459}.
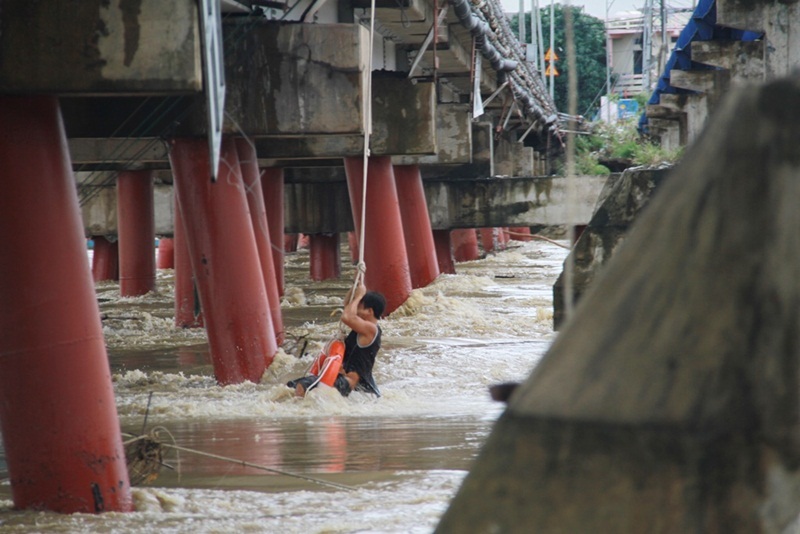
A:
{"x": 127, "y": 78}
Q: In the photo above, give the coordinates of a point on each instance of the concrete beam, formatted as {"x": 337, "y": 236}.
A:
{"x": 492, "y": 202}
{"x": 293, "y": 79}
{"x": 512, "y": 158}
{"x": 668, "y": 131}
{"x": 694, "y": 111}
{"x": 100, "y": 213}
{"x": 744, "y": 59}
{"x": 118, "y": 154}
{"x": 711, "y": 82}
{"x": 403, "y": 123}
{"x": 100, "y": 47}
{"x": 317, "y": 201}
{"x": 404, "y": 117}
{"x": 453, "y": 138}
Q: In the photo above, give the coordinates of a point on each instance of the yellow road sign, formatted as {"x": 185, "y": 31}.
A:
{"x": 550, "y": 71}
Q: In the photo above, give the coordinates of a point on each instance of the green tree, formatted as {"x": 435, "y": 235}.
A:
{"x": 590, "y": 55}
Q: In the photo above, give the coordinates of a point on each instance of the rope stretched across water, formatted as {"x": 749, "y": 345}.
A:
{"x": 537, "y": 236}
{"x": 146, "y": 450}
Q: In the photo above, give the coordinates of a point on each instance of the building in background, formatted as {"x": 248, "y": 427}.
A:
{"x": 637, "y": 52}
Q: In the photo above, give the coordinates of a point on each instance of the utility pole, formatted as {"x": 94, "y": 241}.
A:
{"x": 647, "y": 45}
{"x": 521, "y": 23}
{"x": 662, "y": 57}
{"x": 552, "y": 47}
{"x": 541, "y": 38}
{"x": 534, "y": 40}
{"x": 608, "y": 64}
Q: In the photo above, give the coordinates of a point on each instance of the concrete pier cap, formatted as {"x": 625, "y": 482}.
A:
{"x": 669, "y": 401}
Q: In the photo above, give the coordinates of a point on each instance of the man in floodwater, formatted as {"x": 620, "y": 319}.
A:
{"x": 361, "y": 314}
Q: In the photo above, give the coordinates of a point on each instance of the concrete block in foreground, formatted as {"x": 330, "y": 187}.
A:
{"x": 669, "y": 402}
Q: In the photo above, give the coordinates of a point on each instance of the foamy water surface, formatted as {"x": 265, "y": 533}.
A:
{"x": 400, "y": 458}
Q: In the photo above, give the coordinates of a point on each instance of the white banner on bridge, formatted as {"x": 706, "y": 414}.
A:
{"x": 477, "y": 102}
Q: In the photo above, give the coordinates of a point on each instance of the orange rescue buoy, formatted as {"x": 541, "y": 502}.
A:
{"x": 329, "y": 361}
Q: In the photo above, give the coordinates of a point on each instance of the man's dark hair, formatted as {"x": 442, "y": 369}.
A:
{"x": 375, "y": 301}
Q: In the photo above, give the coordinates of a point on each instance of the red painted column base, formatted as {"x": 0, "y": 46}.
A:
{"x": 488, "y": 238}
{"x": 290, "y": 242}
{"x": 105, "y": 259}
{"x": 521, "y": 233}
{"x": 58, "y": 415}
{"x": 136, "y": 227}
{"x": 444, "y": 251}
{"x": 251, "y": 176}
{"x": 465, "y": 244}
{"x": 188, "y": 311}
{"x": 325, "y": 257}
{"x": 272, "y": 189}
{"x": 166, "y": 253}
{"x": 384, "y": 243}
{"x": 224, "y": 260}
{"x": 422, "y": 262}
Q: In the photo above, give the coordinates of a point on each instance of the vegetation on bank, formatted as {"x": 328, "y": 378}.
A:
{"x": 607, "y": 148}
{"x": 603, "y": 148}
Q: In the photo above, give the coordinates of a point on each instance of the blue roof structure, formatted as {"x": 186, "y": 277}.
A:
{"x": 702, "y": 26}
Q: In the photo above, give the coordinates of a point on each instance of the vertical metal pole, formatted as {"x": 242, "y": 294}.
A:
{"x": 609, "y": 55}
{"x": 534, "y": 40}
{"x": 541, "y": 36}
{"x": 552, "y": 47}
{"x": 662, "y": 58}
{"x": 647, "y": 44}
{"x": 521, "y": 23}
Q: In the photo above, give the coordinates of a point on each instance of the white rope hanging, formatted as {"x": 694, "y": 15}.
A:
{"x": 366, "y": 106}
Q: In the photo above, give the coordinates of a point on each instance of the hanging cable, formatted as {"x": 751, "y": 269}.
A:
{"x": 572, "y": 105}
{"x": 366, "y": 106}
{"x": 97, "y": 179}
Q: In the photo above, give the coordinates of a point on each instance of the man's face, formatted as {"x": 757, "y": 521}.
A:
{"x": 364, "y": 313}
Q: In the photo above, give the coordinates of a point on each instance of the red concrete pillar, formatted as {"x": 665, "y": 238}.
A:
{"x": 188, "y": 312}
{"x": 105, "y": 263}
{"x": 303, "y": 241}
{"x": 224, "y": 258}
{"x": 272, "y": 186}
{"x": 290, "y": 242}
{"x": 444, "y": 251}
{"x": 505, "y": 235}
{"x": 465, "y": 244}
{"x": 136, "y": 228}
{"x": 352, "y": 243}
{"x": 384, "y": 245}
{"x": 57, "y": 413}
{"x": 488, "y": 238}
{"x": 521, "y": 233}
{"x": 325, "y": 257}
{"x": 166, "y": 253}
{"x": 258, "y": 215}
{"x": 422, "y": 260}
